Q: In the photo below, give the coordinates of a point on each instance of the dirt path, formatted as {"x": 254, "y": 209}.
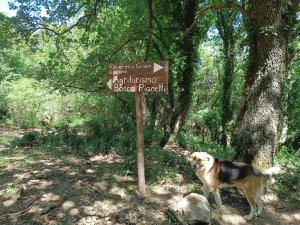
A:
{"x": 90, "y": 191}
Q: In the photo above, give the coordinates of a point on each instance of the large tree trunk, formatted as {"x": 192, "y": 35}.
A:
{"x": 259, "y": 116}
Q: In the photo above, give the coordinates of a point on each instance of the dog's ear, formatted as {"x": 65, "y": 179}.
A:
{"x": 192, "y": 158}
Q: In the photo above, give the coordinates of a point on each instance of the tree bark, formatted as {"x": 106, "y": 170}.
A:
{"x": 259, "y": 116}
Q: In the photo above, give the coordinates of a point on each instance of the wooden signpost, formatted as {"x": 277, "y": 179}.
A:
{"x": 139, "y": 77}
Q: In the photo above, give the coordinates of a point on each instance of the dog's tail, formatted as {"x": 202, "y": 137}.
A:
{"x": 273, "y": 171}
{"x": 269, "y": 173}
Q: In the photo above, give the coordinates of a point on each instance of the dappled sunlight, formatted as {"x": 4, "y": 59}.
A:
{"x": 74, "y": 211}
{"x": 9, "y": 202}
{"x": 102, "y": 186}
{"x": 291, "y": 217}
{"x": 122, "y": 192}
{"x": 270, "y": 197}
{"x": 38, "y": 184}
{"x": 90, "y": 171}
{"x": 68, "y": 205}
{"x": 23, "y": 176}
{"x": 178, "y": 150}
{"x": 73, "y": 173}
{"x": 109, "y": 159}
{"x": 89, "y": 191}
{"x": 232, "y": 219}
{"x": 49, "y": 197}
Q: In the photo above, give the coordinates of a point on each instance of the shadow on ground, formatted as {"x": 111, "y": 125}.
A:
{"x": 43, "y": 189}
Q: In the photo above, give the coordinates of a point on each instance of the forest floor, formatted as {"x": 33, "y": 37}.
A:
{"x": 38, "y": 188}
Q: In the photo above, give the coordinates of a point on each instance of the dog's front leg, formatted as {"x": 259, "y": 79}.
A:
{"x": 206, "y": 190}
{"x": 217, "y": 198}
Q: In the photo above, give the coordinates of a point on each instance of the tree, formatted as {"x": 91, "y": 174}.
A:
{"x": 182, "y": 54}
{"x": 259, "y": 116}
{"x": 225, "y": 25}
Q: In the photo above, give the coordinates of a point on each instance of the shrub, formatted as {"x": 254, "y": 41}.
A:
{"x": 31, "y": 138}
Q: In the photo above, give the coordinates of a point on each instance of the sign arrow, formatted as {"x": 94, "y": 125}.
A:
{"x": 156, "y": 67}
{"x": 109, "y": 84}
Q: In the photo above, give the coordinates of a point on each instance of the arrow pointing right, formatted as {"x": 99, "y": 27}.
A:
{"x": 109, "y": 84}
{"x": 156, "y": 67}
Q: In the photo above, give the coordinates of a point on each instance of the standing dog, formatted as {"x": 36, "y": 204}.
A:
{"x": 215, "y": 173}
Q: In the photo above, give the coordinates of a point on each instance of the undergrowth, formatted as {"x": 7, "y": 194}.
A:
{"x": 159, "y": 164}
{"x": 287, "y": 184}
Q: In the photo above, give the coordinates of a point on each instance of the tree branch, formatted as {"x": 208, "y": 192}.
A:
{"x": 122, "y": 46}
{"x": 82, "y": 18}
{"x": 150, "y": 27}
{"x": 215, "y": 6}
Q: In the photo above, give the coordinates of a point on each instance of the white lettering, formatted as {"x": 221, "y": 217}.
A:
{"x": 141, "y": 87}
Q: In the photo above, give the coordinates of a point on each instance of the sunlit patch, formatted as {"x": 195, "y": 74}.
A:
{"x": 100, "y": 185}
{"x": 74, "y": 211}
{"x": 46, "y": 162}
{"x": 22, "y": 176}
{"x": 269, "y": 198}
{"x": 232, "y": 218}
{"x": 74, "y": 160}
{"x": 9, "y": 202}
{"x": 110, "y": 158}
{"x": 48, "y": 197}
{"x": 68, "y": 205}
{"x": 119, "y": 191}
{"x": 73, "y": 173}
{"x": 91, "y": 220}
{"x": 35, "y": 209}
{"x": 88, "y": 210}
{"x": 39, "y": 184}
{"x": 65, "y": 168}
{"x": 60, "y": 214}
{"x": 161, "y": 190}
{"x": 90, "y": 171}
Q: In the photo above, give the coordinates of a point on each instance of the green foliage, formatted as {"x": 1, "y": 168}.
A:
{"x": 287, "y": 184}
{"x": 159, "y": 164}
{"x": 32, "y": 138}
{"x": 268, "y": 30}
{"x": 196, "y": 144}
{"x": 24, "y": 103}
{"x": 293, "y": 110}
{"x": 5, "y": 139}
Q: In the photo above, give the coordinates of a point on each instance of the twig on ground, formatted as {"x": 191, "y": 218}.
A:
{"x": 8, "y": 215}
{"x": 171, "y": 212}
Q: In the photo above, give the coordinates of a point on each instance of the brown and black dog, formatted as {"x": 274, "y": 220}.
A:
{"x": 215, "y": 173}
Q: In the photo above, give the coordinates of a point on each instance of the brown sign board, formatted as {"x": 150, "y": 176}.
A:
{"x": 138, "y": 77}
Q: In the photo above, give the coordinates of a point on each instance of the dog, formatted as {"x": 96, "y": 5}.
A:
{"x": 215, "y": 173}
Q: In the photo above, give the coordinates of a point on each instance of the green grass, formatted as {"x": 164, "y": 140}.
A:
{"x": 12, "y": 189}
{"x": 5, "y": 139}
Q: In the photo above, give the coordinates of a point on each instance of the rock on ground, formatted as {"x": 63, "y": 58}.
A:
{"x": 194, "y": 209}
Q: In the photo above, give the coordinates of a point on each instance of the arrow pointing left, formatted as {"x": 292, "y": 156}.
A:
{"x": 109, "y": 84}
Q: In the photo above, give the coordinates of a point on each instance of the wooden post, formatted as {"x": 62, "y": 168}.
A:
{"x": 140, "y": 142}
